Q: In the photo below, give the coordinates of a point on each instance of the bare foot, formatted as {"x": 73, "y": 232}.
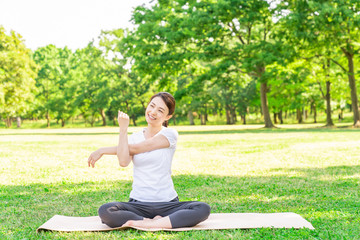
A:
{"x": 156, "y": 222}
{"x": 129, "y": 223}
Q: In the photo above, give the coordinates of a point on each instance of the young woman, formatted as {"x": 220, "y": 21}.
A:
{"x": 153, "y": 201}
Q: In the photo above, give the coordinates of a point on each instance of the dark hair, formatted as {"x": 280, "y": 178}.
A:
{"x": 169, "y": 101}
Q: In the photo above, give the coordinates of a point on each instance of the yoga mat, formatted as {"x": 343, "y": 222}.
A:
{"x": 215, "y": 221}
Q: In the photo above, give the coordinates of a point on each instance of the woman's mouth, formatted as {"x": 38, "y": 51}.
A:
{"x": 151, "y": 117}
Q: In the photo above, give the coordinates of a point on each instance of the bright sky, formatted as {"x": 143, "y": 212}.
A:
{"x": 72, "y": 23}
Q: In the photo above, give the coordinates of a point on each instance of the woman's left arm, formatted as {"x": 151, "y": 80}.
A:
{"x": 154, "y": 143}
{"x": 148, "y": 145}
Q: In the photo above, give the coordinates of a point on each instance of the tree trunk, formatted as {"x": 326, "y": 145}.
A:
{"x": 329, "y": 121}
{"x": 280, "y": 117}
{"x": 275, "y": 118}
{"x": 233, "y": 115}
{"x": 243, "y": 117}
{"x": 102, "y": 113}
{"x": 206, "y": 114}
{"x": 228, "y": 116}
{"x": 191, "y": 117}
{"x": 264, "y": 105}
{"x": 18, "y": 122}
{"x": 314, "y": 110}
{"x": 202, "y": 119}
{"x": 8, "y": 122}
{"x": 62, "y": 122}
{"x": 352, "y": 83}
{"x": 47, "y": 118}
{"x": 92, "y": 120}
{"x": 134, "y": 120}
{"x": 299, "y": 115}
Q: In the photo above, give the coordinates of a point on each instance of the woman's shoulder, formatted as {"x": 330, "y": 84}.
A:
{"x": 169, "y": 132}
{"x": 171, "y": 135}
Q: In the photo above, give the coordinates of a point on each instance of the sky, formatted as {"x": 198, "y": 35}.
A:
{"x": 72, "y": 23}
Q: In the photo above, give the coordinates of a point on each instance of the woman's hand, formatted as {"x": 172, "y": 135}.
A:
{"x": 123, "y": 120}
{"x": 94, "y": 157}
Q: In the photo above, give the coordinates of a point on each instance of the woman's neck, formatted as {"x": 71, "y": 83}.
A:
{"x": 152, "y": 130}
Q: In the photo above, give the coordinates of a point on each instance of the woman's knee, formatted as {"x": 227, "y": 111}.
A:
{"x": 115, "y": 214}
{"x": 204, "y": 210}
{"x": 104, "y": 209}
{"x": 106, "y": 214}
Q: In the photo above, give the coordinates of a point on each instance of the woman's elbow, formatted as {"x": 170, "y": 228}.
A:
{"x": 123, "y": 162}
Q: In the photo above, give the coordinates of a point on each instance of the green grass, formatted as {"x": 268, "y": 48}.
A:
{"x": 314, "y": 172}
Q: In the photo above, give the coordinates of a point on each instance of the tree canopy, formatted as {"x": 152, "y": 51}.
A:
{"x": 222, "y": 58}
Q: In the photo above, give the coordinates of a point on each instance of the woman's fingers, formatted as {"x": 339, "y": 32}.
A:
{"x": 123, "y": 119}
{"x": 122, "y": 115}
{"x": 91, "y": 162}
{"x": 92, "y": 159}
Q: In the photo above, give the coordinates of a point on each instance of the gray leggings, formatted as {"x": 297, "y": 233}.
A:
{"x": 181, "y": 214}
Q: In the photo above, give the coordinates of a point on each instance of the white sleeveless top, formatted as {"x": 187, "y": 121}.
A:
{"x": 152, "y": 170}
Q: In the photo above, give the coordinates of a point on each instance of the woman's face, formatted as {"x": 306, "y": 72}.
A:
{"x": 157, "y": 112}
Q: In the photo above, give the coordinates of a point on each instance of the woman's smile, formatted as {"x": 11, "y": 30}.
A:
{"x": 151, "y": 117}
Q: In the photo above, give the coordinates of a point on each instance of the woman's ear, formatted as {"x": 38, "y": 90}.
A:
{"x": 168, "y": 117}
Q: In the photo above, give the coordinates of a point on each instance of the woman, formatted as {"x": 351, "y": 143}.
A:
{"x": 153, "y": 202}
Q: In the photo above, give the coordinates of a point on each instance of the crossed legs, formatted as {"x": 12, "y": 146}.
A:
{"x": 154, "y": 214}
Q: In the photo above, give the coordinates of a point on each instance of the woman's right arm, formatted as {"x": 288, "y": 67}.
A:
{"x": 145, "y": 146}
{"x": 122, "y": 149}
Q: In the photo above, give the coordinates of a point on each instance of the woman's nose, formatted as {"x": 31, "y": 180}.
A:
{"x": 153, "y": 112}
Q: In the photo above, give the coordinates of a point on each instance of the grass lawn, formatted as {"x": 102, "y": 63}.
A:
{"x": 314, "y": 172}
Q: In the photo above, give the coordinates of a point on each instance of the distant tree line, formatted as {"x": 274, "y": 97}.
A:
{"x": 226, "y": 57}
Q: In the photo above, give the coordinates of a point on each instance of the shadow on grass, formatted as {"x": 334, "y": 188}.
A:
{"x": 327, "y": 197}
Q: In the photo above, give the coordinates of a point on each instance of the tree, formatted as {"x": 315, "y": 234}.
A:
{"x": 337, "y": 20}
{"x": 232, "y": 36}
{"x": 47, "y": 80}
{"x": 91, "y": 74}
{"x": 17, "y": 73}
{"x": 128, "y": 90}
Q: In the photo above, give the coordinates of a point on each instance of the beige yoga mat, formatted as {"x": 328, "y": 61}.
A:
{"x": 215, "y": 221}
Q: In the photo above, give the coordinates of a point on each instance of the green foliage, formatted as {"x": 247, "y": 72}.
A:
{"x": 330, "y": 30}
{"x": 218, "y": 58}
{"x": 128, "y": 90}
{"x": 92, "y": 75}
{"x": 17, "y": 73}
